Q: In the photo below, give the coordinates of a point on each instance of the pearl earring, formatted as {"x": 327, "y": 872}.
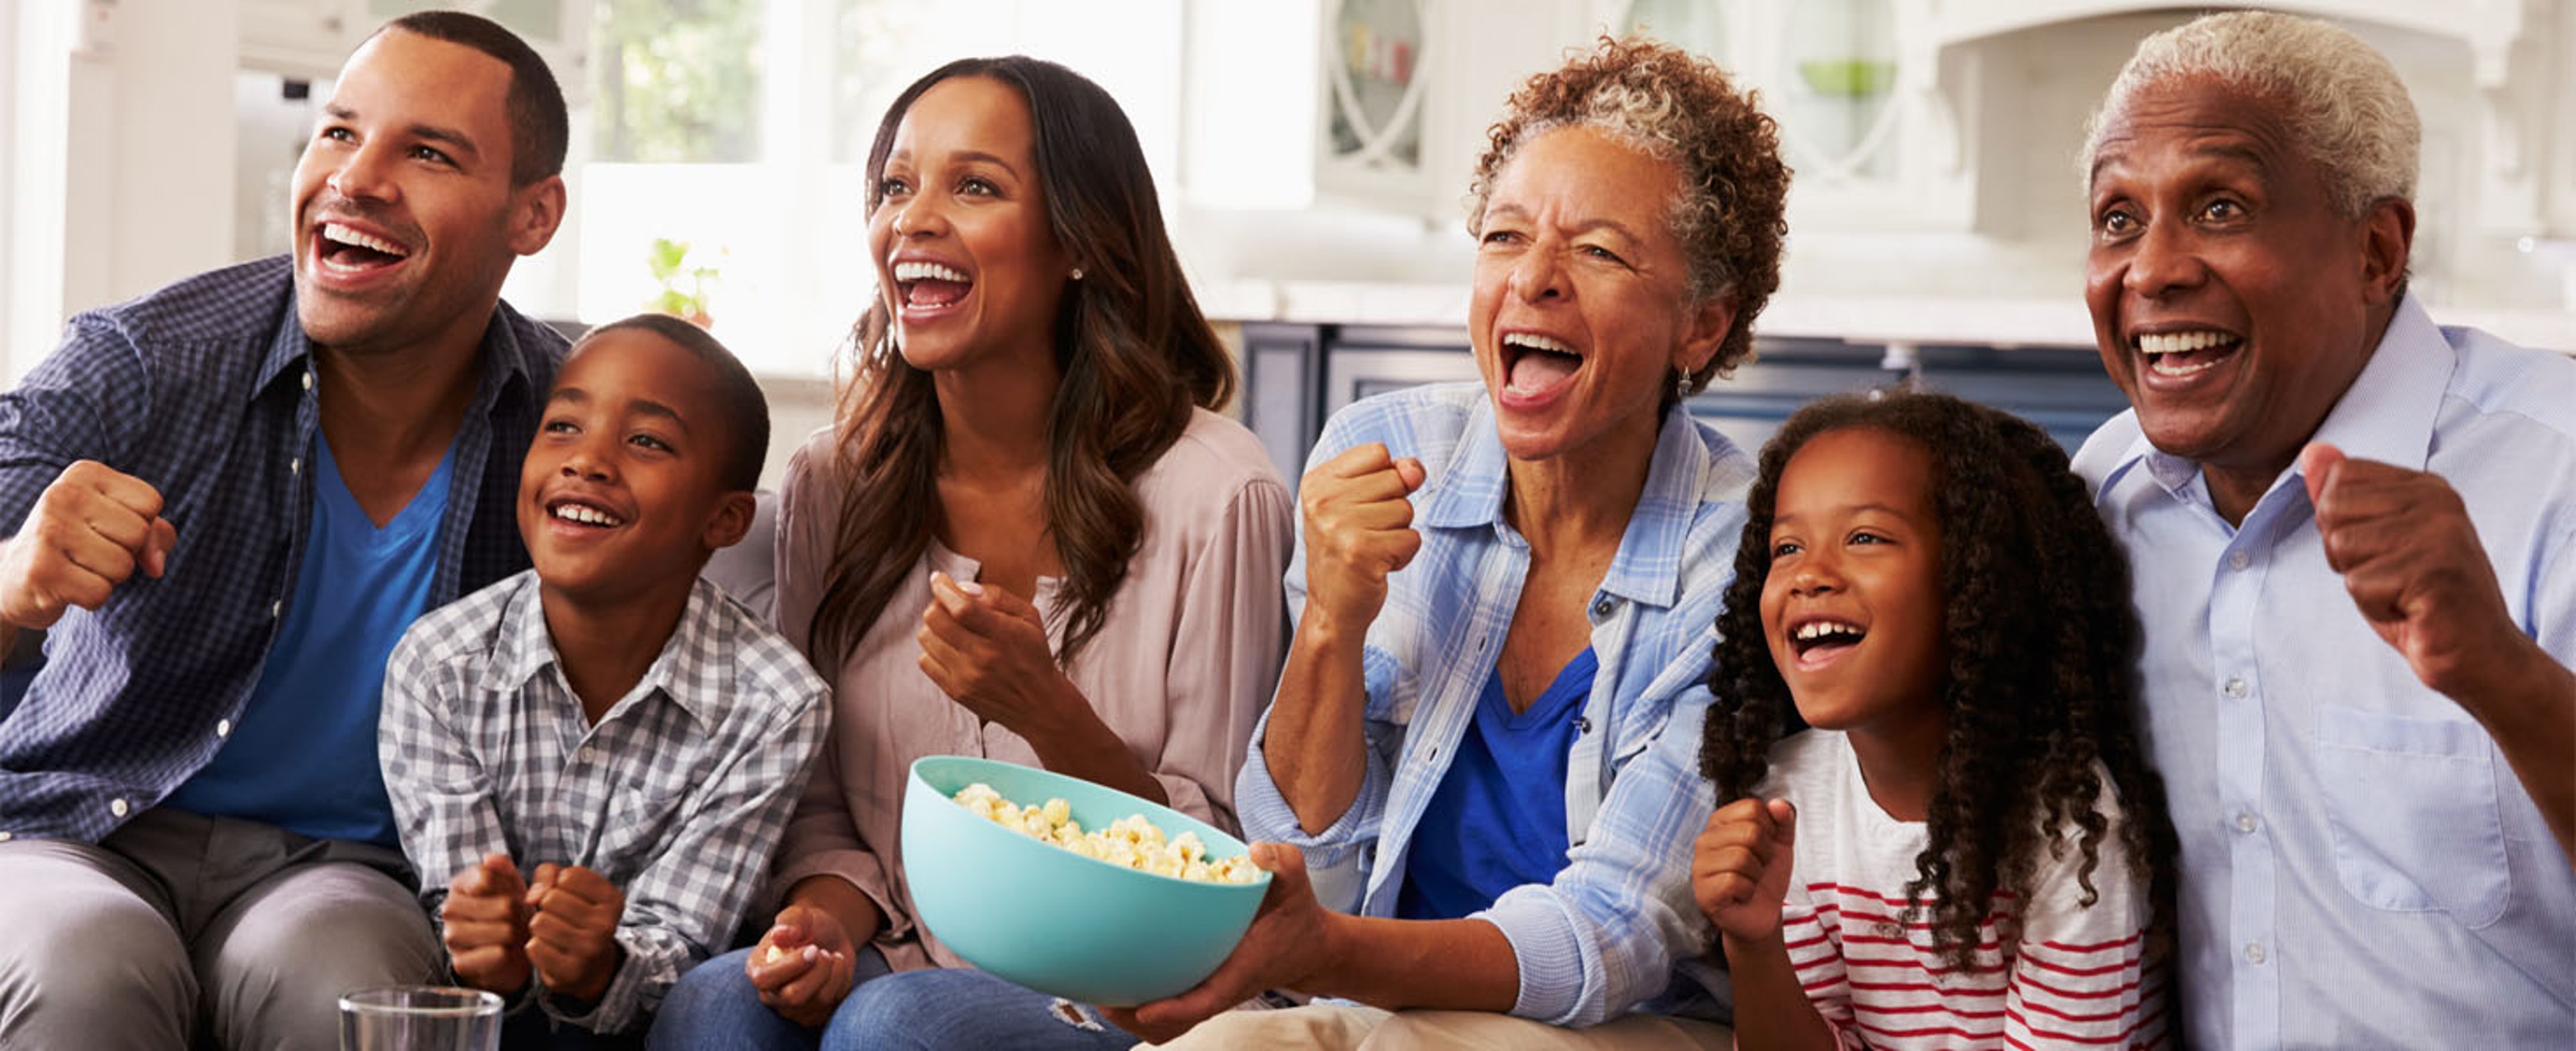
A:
{"x": 1077, "y": 273}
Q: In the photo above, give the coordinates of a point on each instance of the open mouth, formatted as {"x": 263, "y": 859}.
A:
{"x": 584, "y": 515}
{"x": 2175, "y": 355}
{"x": 1534, "y": 363}
{"x": 349, "y": 250}
{"x": 928, "y": 286}
{"x": 1816, "y": 642}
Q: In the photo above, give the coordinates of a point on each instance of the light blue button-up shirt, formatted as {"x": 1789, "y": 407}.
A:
{"x": 1605, "y": 936}
{"x": 2359, "y": 866}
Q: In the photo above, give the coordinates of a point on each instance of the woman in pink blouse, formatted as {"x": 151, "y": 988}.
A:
{"x": 1026, "y": 537}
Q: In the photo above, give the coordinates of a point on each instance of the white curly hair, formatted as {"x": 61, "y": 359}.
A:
{"x": 2346, "y": 109}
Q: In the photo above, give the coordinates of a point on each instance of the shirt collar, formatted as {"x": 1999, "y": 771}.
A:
{"x": 1469, "y": 494}
{"x": 2386, "y": 415}
{"x": 502, "y": 366}
{"x": 524, "y": 650}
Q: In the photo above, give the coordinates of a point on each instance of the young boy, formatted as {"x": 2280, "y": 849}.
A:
{"x": 606, "y": 723}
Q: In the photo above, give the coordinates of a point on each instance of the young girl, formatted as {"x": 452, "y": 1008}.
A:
{"x": 1967, "y": 849}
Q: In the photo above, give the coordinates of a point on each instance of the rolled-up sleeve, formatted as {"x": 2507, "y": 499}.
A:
{"x": 1604, "y": 935}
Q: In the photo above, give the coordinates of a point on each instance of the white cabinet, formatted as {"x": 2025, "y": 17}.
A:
{"x": 1407, "y": 89}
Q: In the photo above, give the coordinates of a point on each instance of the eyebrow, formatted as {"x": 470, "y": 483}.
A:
{"x": 1587, "y": 226}
{"x": 961, "y": 155}
{"x": 642, "y": 406}
{"x": 1849, "y": 509}
{"x": 461, "y": 142}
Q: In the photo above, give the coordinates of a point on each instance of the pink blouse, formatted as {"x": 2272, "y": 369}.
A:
{"x": 1186, "y": 656}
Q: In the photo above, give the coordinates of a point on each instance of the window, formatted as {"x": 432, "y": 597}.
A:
{"x": 739, "y": 128}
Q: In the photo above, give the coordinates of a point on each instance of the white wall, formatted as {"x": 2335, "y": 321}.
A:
{"x": 122, "y": 147}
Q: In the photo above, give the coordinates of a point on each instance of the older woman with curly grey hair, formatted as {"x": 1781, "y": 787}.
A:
{"x": 1477, "y": 783}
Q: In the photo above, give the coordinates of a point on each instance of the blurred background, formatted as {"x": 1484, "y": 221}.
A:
{"x": 1312, "y": 157}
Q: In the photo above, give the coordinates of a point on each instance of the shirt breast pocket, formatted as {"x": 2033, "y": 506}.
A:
{"x": 2412, "y": 807}
{"x": 641, "y": 819}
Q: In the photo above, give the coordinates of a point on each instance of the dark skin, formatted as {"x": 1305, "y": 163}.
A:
{"x": 561, "y": 929}
{"x": 2207, "y": 217}
{"x": 1740, "y": 876}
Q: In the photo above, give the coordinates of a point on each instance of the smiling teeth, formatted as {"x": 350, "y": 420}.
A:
{"x": 2181, "y": 342}
{"x": 926, "y": 272}
{"x": 337, "y": 233}
{"x": 585, "y": 515}
{"x": 1821, "y": 628}
{"x": 1534, "y": 341}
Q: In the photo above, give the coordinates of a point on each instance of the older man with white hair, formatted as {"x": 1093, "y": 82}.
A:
{"x": 2355, "y": 544}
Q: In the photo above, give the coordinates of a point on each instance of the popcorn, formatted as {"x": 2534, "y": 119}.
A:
{"x": 1129, "y": 842}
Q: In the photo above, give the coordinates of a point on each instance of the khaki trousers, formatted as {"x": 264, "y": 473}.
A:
{"x": 1346, "y": 1027}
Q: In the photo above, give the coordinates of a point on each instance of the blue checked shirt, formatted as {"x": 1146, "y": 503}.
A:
{"x": 677, "y": 795}
{"x": 2360, "y": 866}
{"x": 1606, "y": 935}
{"x": 204, "y": 389}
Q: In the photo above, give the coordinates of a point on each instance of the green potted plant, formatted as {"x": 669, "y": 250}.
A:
{"x": 684, "y": 287}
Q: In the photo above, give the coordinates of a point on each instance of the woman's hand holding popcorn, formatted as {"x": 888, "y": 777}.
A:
{"x": 802, "y": 966}
{"x": 484, "y": 922}
{"x": 986, "y": 648}
{"x": 572, "y": 930}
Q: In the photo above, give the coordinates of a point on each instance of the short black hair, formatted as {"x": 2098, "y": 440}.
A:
{"x": 744, "y": 411}
{"x": 540, "y": 129}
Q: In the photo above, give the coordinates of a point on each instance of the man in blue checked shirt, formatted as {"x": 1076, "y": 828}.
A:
{"x": 2354, "y": 539}
{"x": 230, "y": 497}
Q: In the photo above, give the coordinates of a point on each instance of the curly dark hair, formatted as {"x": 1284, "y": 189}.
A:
{"x": 1732, "y": 214}
{"x": 2041, "y": 666}
{"x": 1137, "y": 356}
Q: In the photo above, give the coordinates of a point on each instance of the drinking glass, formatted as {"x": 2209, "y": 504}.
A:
{"x": 420, "y": 1018}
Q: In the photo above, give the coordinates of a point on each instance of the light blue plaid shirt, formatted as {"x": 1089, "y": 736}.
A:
{"x": 1605, "y": 936}
{"x": 2359, "y": 866}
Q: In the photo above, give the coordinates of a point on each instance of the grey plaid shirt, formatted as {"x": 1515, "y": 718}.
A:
{"x": 677, "y": 796}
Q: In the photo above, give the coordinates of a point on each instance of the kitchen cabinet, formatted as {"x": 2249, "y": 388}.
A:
{"x": 1914, "y": 115}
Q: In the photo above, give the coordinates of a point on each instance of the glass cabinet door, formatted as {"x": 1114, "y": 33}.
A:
{"x": 1836, "y": 110}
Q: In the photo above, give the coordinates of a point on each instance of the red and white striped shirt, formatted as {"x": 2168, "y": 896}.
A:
{"x": 2073, "y": 978}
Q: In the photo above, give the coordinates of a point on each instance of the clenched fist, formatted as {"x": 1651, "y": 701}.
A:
{"x": 88, "y": 533}
{"x": 1740, "y": 867}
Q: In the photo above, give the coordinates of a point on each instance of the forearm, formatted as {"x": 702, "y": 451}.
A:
{"x": 1771, "y": 1006}
{"x": 1316, "y": 745}
{"x": 857, "y": 913}
{"x": 1077, "y": 744}
{"x": 2529, "y": 707}
{"x": 1460, "y": 965}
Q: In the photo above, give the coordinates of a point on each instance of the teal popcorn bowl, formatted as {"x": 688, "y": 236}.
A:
{"x": 1052, "y": 920}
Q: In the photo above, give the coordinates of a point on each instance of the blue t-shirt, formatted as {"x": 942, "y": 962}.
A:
{"x": 1497, "y": 820}
{"x": 304, "y": 755}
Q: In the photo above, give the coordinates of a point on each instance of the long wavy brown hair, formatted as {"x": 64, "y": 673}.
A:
{"x": 2041, "y": 675}
{"x": 1135, "y": 353}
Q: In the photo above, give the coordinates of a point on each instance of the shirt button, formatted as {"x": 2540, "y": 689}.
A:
{"x": 223, "y": 727}
{"x": 1602, "y": 606}
{"x": 2238, "y": 560}
{"x": 2245, "y": 821}
{"x": 587, "y": 754}
{"x": 2254, "y": 952}
{"x": 5, "y": 837}
{"x": 2236, "y": 686}
{"x": 277, "y": 609}
{"x": 308, "y": 379}
{"x": 117, "y": 807}
{"x": 295, "y": 466}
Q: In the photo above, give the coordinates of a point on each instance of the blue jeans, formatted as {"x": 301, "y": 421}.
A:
{"x": 714, "y": 1006}
{"x": 968, "y": 1010}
